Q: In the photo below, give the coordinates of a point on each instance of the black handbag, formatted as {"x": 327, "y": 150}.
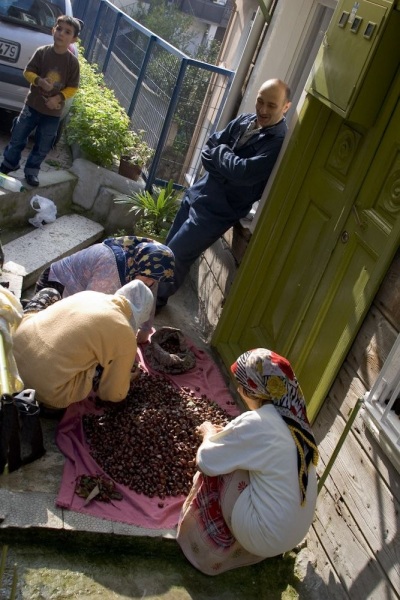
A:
{"x": 21, "y": 436}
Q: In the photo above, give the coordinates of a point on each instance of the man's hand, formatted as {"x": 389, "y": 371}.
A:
{"x": 209, "y": 166}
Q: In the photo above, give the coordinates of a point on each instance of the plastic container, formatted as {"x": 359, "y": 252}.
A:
{"x": 10, "y": 183}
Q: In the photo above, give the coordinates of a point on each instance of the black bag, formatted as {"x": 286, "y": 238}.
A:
{"x": 21, "y": 436}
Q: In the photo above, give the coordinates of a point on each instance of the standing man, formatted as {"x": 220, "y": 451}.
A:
{"x": 238, "y": 162}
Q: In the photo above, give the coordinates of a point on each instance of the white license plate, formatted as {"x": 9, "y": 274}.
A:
{"x": 9, "y": 50}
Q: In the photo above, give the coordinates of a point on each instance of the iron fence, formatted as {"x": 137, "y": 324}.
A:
{"x": 174, "y": 99}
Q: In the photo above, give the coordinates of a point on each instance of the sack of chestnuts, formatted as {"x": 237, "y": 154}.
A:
{"x": 168, "y": 352}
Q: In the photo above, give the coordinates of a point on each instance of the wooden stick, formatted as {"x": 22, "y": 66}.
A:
{"x": 338, "y": 446}
{"x": 3, "y": 562}
{"x": 14, "y": 583}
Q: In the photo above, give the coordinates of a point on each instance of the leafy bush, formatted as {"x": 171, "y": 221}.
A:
{"x": 137, "y": 151}
{"x": 97, "y": 122}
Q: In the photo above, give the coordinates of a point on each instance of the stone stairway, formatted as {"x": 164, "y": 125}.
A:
{"x": 27, "y": 256}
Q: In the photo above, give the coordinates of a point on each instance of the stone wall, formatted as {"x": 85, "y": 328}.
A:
{"x": 214, "y": 273}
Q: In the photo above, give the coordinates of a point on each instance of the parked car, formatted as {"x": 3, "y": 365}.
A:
{"x": 24, "y": 26}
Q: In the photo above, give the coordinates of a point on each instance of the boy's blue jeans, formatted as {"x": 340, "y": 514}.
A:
{"x": 23, "y": 125}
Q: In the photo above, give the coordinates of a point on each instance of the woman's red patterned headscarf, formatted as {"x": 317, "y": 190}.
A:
{"x": 268, "y": 376}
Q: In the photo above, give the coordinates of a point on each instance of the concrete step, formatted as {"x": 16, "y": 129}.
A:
{"x": 15, "y": 207}
{"x": 26, "y": 257}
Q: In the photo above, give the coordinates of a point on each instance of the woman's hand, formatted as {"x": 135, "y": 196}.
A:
{"x": 135, "y": 373}
{"x": 207, "y": 429}
{"x": 142, "y": 336}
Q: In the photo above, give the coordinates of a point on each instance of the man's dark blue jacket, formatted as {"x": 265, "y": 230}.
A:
{"x": 236, "y": 177}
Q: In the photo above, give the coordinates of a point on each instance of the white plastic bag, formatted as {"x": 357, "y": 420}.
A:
{"x": 46, "y": 211}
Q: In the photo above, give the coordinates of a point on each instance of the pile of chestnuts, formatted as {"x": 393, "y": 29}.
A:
{"x": 171, "y": 346}
{"x": 149, "y": 441}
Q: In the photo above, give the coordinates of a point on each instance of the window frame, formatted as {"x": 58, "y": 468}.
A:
{"x": 378, "y": 414}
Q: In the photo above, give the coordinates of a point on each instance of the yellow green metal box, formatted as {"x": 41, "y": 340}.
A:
{"x": 358, "y": 59}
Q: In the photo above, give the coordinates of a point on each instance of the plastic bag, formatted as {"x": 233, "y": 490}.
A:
{"x": 46, "y": 211}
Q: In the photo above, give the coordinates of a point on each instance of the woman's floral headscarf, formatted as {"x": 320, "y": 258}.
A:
{"x": 142, "y": 256}
{"x": 268, "y": 376}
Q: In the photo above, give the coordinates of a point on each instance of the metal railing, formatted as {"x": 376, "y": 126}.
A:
{"x": 173, "y": 98}
{"x": 211, "y": 12}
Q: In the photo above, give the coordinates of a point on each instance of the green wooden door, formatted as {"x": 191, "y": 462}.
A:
{"x": 321, "y": 247}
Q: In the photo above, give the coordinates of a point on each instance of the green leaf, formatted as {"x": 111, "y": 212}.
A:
{"x": 155, "y": 211}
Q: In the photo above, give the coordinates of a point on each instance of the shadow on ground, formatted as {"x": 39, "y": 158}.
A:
{"x": 110, "y": 572}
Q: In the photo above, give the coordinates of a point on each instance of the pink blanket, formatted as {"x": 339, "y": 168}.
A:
{"x": 133, "y": 509}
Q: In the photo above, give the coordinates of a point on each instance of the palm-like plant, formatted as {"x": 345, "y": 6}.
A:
{"x": 154, "y": 211}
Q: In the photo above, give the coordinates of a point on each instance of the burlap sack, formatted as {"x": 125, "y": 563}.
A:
{"x": 168, "y": 352}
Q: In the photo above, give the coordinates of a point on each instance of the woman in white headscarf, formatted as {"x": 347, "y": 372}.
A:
{"x": 59, "y": 350}
{"x": 255, "y": 491}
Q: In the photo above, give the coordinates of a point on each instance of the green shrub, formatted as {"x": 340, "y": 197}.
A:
{"x": 97, "y": 122}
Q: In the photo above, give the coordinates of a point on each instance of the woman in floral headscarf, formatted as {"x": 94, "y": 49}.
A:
{"x": 255, "y": 491}
{"x": 107, "y": 266}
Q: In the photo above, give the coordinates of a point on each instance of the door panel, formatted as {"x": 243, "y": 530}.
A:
{"x": 354, "y": 272}
{"x": 305, "y": 247}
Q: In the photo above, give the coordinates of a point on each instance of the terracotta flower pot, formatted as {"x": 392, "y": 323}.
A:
{"x": 127, "y": 169}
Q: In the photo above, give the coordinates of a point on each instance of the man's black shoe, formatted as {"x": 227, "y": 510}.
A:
{"x": 32, "y": 180}
{"x": 5, "y": 170}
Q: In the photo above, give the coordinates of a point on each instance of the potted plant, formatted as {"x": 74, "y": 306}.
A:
{"x": 154, "y": 211}
{"x": 135, "y": 155}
